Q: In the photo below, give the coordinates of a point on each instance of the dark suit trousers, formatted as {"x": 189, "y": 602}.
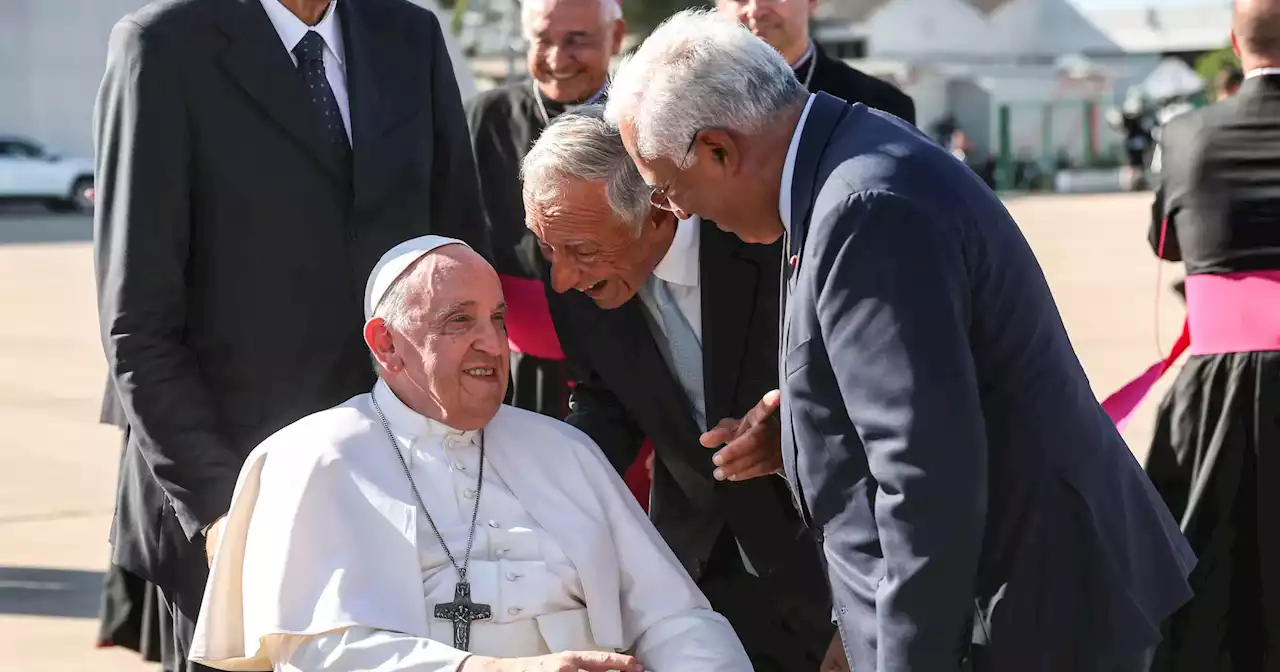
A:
{"x": 764, "y": 620}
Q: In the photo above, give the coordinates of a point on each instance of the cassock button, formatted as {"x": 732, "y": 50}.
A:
{"x": 512, "y": 576}
{"x": 469, "y": 493}
{"x": 459, "y": 466}
{"x": 493, "y": 524}
{"x": 514, "y": 610}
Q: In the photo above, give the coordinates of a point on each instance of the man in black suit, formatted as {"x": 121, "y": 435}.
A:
{"x": 976, "y": 507}
{"x": 254, "y": 159}
{"x": 784, "y": 24}
{"x": 669, "y": 325}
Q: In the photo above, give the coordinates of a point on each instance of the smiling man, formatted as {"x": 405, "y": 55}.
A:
{"x": 426, "y": 527}
{"x": 570, "y": 44}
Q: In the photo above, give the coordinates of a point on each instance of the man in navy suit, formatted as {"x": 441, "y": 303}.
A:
{"x": 976, "y": 507}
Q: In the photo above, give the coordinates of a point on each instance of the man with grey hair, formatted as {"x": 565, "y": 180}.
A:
{"x": 976, "y": 506}
{"x": 671, "y": 325}
{"x": 570, "y": 44}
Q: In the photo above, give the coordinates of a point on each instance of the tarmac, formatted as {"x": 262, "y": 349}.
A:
{"x": 58, "y": 465}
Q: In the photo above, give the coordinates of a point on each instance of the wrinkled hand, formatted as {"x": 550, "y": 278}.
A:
{"x": 212, "y": 538}
{"x": 754, "y": 444}
{"x": 835, "y": 660}
{"x": 569, "y": 661}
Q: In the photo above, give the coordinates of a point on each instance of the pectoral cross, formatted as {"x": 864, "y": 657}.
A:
{"x": 462, "y": 611}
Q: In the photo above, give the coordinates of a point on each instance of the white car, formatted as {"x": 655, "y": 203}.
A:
{"x": 31, "y": 172}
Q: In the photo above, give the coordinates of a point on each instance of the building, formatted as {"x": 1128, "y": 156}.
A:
{"x": 52, "y": 54}
{"x": 1052, "y": 66}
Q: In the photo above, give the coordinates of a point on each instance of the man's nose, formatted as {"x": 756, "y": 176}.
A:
{"x": 753, "y": 9}
{"x": 557, "y": 57}
{"x": 564, "y": 276}
{"x": 491, "y": 341}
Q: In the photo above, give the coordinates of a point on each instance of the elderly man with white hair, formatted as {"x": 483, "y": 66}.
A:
{"x": 570, "y": 44}
{"x": 976, "y": 505}
{"x": 425, "y": 527}
{"x": 673, "y": 328}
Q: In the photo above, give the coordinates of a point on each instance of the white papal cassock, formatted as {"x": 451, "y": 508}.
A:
{"x": 326, "y": 563}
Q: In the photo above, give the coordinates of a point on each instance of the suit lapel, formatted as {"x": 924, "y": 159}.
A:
{"x": 258, "y": 62}
{"x": 824, "y": 116}
{"x": 730, "y": 277}
{"x": 380, "y": 96}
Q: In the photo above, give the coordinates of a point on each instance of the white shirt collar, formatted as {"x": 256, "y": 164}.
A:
{"x": 679, "y": 266}
{"x": 1261, "y": 72}
{"x": 291, "y": 29}
{"x": 789, "y": 168}
{"x": 405, "y": 421}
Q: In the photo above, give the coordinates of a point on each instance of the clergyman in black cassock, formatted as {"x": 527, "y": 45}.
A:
{"x": 785, "y": 26}
{"x": 570, "y": 45}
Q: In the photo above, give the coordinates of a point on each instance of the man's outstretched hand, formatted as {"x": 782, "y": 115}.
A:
{"x": 754, "y": 443}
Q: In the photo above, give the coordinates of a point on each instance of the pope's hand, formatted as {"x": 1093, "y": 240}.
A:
{"x": 835, "y": 660}
{"x": 213, "y": 537}
{"x": 754, "y": 444}
{"x": 569, "y": 661}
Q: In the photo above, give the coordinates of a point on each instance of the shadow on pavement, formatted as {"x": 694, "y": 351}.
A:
{"x": 37, "y": 591}
{"x": 27, "y": 225}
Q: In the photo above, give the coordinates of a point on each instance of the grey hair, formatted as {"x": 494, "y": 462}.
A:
{"x": 610, "y": 11}
{"x": 581, "y": 145}
{"x": 700, "y": 69}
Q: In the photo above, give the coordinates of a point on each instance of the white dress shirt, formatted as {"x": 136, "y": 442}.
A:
{"x": 679, "y": 268}
{"x": 789, "y": 168}
{"x": 291, "y": 30}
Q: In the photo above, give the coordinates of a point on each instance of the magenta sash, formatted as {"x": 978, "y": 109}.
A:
{"x": 1233, "y": 312}
{"x": 529, "y": 326}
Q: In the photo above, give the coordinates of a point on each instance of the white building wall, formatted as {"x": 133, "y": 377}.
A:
{"x": 52, "y": 54}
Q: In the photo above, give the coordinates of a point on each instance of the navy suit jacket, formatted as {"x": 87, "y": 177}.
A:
{"x": 973, "y": 500}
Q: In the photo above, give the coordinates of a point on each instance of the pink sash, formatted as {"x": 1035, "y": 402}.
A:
{"x": 1234, "y": 312}
{"x": 529, "y": 327}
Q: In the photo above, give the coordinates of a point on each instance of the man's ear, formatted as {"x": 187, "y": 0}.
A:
{"x": 378, "y": 337}
{"x": 720, "y": 144}
{"x": 619, "y": 33}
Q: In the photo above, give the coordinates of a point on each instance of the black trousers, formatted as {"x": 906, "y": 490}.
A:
{"x": 174, "y": 656}
{"x": 780, "y": 632}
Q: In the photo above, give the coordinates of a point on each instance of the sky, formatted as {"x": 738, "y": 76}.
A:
{"x": 1107, "y": 4}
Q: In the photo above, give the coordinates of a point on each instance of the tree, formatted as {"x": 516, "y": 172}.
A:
{"x": 645, "y": 15}
{"x": 1210, "y": 64}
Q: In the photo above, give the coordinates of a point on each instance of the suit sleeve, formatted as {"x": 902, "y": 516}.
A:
{"x": 142, "y": 231}
{"x": 593, "y": 408}
{"x": 1162, "y": 228}
{"x": 894, "y": 310}
{"x": 455, "y": 185}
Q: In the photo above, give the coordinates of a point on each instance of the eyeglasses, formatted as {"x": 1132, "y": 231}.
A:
{"x": 658, "y": 195}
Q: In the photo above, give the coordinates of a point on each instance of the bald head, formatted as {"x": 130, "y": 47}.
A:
{"x": 1255, "y": 32}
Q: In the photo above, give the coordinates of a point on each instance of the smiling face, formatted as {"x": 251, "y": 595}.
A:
{"x": 784, "y": 24}
{"x": 445, "y": 351}
{"x": 570, "y": 45}
{"x": 592, "y": 251}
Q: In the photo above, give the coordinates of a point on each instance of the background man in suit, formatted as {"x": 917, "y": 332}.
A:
{"x": 255, "y": 157}
{"x": 672, "y": 324}
{"x": 784, "y": 24}
{"x": 938, "y": 431}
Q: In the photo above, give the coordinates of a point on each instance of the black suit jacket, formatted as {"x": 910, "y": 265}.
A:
{"x": 940, "y": 431}
{"x": 626, "y": 392}
{"x": 232, "y": 250}
{"x": 839, "y": 79}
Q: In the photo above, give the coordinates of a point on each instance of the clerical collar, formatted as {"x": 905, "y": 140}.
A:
{"x": 1261, "y": 72}
{"x": 804, "y": 58}
{"x": 550, "y": 109}
{"x": 407, "y": 422}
